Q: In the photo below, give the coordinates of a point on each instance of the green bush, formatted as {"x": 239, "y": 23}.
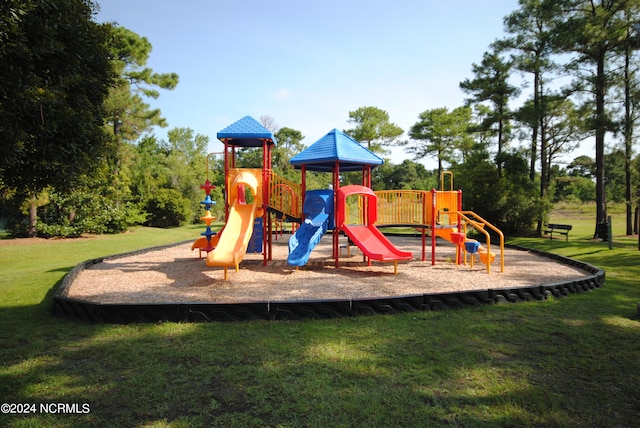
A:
{"x": 57, "y": 231}
{"x": 114, "y": 219}
{"x": 168, "y": 208}
{"x": 69, "y": 216}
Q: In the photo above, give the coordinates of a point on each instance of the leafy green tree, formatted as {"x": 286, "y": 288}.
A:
{"x": 482, "y": 189}
{"x": 408, "y": 175}
{"x": 579, "y": 179}
{"x": 289, "y": 145}
{"x": 527, "y": 128}
{"x": 482, "y": 138}
{"x": 530, "y": 34}
{"x": 560, "y": 128}
{"x": 166, "y": 177}
{"x": 629, "y": 89}
{"x": 99, "y": 202}
{"x": 573, "y": 189}
{"x": 564, "y": 129}
{"x": 582, "y": 166}
{"x": 592, "y": 31}
{"x": 148, "y": 170}
{"x": 522, "y": 207}
{"x": 129, "y": 116}
{"x": 439, "y": 133}
{"x": 490, "y": 85}
{"x": 577, "y": 183}
{"x": 509, "y": 202}
{"x": 187, "y": 165}
{"x": 636, "y": 195}
{"x": 373, "y": 127}
{"x": 615, "y": 175}
{"x": 318, "y": 180}
{"x": 55, "y": 74}
{"x": 249, "y": 157}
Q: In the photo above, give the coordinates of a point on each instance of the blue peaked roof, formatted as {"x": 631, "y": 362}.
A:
{"x": 246, "y": 132}
{"x": 336, "y": 146}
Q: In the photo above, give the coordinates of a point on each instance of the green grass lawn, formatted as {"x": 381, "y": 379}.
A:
{"x": 573, "y": 361}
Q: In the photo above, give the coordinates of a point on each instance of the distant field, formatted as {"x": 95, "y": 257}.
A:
{"x": 583, "y": 219}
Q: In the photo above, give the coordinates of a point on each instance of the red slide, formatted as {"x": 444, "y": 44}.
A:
{"x": 374, "y": 244}
{"x": 367, "y": 237}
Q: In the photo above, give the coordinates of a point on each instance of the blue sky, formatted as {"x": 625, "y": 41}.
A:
{"x": 307, "y": 64}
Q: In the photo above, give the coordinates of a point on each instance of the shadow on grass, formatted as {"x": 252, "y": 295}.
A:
{"x": 568, "y": 362}
{"x": 528, "y": 364}
{"x": 64, "y": 270}
{"x": 586, "y": 253}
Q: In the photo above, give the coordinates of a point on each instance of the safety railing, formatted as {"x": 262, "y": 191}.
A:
{"x": 409, "y": 207}
{"x": 405, "y": 207}
{"x": 285, "y": 195}
{"x": 469, "y": 218}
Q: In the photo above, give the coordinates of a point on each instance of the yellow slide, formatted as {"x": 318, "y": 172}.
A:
{"x": 237, "y": 232}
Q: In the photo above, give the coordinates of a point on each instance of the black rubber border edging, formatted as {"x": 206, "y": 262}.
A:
{"x": 312, "y": 309}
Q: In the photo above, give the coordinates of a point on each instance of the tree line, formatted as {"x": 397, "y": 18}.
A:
{"x": 572, "y": 66}
{"x": 565, "y": 72}
{"x": 78, "y": 156}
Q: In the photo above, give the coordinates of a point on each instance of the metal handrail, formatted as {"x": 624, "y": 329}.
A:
{"x": 479, "y": 224}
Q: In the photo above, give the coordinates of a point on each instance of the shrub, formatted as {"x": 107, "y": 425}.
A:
{"x": 114, "y": 219}
{"x": 168, "y": 208}
{"x": 57, "y": 231}
{"x": 68, "y": 216}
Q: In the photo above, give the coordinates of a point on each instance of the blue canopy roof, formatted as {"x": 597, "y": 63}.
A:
{"x": 246, "y": 132}
{"x": 336, "y": 146}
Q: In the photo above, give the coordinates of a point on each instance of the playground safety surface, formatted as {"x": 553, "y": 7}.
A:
{"x": 172, "y": 283}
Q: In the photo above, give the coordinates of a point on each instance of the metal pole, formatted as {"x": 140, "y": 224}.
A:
{"x": 433, "y": 227}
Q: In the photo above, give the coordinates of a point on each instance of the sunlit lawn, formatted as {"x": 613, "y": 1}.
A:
{"x": 573, "y": 361}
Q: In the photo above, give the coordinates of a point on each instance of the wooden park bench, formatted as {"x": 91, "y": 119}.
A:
{"x": 562, "y": 229}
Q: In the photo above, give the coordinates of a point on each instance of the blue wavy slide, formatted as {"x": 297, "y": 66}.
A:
{"x": 306, "y": 238}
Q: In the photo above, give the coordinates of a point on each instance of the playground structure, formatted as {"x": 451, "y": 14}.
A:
{"x": 355, "y": 211}
{"x": 440, "y": 211}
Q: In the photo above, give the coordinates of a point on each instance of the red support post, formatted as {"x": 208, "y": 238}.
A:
{"x": 266, "y": 220}
{"x": 433, "y": 226}
{"x": 226, "y": 178}
{"x": 336, "y": 228}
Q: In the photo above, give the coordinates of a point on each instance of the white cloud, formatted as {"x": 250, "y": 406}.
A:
{"x": 282, "y": 94}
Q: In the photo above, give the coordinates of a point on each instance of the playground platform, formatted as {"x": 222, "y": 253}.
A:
{"x": 170, "y": 284}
